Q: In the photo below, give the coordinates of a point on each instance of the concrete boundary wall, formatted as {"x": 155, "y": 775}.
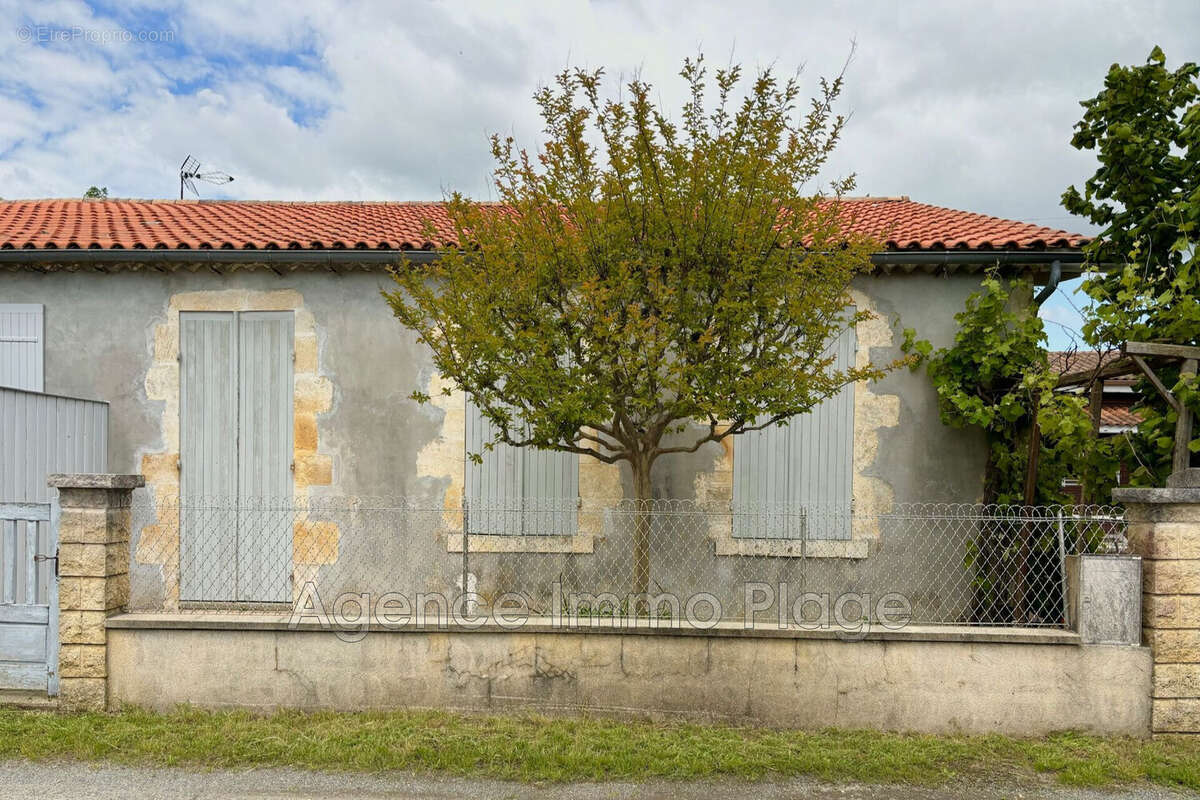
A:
{"x": 909, "y": 681}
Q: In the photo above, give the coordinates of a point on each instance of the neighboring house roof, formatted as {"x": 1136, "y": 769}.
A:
{"x": 1118, "y": 414}
{"x": 1064, "y": 362}
{"x": 1116, "y": 407}
{"x": 171, "y": 224}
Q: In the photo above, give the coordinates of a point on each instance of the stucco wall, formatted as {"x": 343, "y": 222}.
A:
{"x": 114, "y": 337}
{"x": 907, "y": 685}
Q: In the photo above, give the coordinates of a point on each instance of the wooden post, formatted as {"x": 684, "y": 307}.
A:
{"x": 1182, "y": 456}
{"x": 1095, "y": 407}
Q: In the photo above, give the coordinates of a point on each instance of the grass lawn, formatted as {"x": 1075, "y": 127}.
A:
{"x": 532, "y": 748}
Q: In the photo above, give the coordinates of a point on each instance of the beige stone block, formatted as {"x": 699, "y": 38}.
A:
{"x": 162, "y": 380}
{"x": 1171, "y": 611}
{"x": 275, "y": 300}
{"x": 1174, "y": 646}
{"x": 1177, "y": 680}
{"x": 599, "y": 483}
{"x": 304, "y": 433}
{"x": 116, "y": 592}
{"x": 83, "y": 525}
{"x": 306, "y": 354}
{"x": 1165, "y": 540}
{"x": 82, "y": 594}
{"x": 82, "y": 661}
{"x": 170, "y": 425}
{"x": 1176, "y": 576}
{"x": 1177, "y": 540}
{"x": 166, "y": 343}
{"x": 82, "y": 560}
{"x": 313, "y": 394}
{"x": 306, "y": 323}
{"x": 158, "y": 544}
{"x": 120, "y": 517}
{"x": 225, "y": 300}
{"x": 1175, "y": 716}
{"x": 315, "y": 542}
{"x": 160, "y": 468}
{"x": 1162, "y": 512}
{"x": 81, "y": 627}
{"x": 314, "y": 470}
{"x": 83, "y": 694}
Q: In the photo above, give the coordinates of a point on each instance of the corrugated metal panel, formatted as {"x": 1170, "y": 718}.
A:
{"x": 208, "y": 455}
{"x": 518, "y": 490}
{"x": 43, "y": 433}
{"x": 781, "y": 472}
{"x": 21, "y": 345}
{"x": 264, "y": 456}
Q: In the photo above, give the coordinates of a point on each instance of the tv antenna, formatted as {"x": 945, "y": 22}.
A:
{"x": 190, "y": 172}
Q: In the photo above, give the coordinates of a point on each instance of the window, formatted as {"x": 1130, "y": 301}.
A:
{"x": 794, "y": 481}
{"x": 235, "y": 435}
{"x": 518, "y": 491}
{"x": 21, "y": 342}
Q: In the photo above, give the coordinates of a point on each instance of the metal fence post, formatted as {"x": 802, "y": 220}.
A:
{"x": 1062, "y": 565}
{"x": 466, "y": 547}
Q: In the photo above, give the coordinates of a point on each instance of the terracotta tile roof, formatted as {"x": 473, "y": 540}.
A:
{"x": 190, "y": 224}
{"x": 1064, "y": 361}
{"x": 1118, "y": 413}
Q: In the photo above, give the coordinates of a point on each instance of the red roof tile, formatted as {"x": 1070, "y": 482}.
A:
{"x": 1065, "y": 361}
{"x": 115, "y": 224}
{"x": 1119, "y": 414}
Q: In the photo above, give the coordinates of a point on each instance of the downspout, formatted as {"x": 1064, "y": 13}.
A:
{"x": 1051, "y": 284}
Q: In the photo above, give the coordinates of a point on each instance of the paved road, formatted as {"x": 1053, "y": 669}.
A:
{"x": 51, "y": 780}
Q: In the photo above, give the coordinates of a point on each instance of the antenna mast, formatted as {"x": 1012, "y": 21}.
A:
{"x": 190, "y": 172}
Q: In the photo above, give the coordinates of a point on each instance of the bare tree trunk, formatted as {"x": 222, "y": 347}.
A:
{"x": 641, "y": 533}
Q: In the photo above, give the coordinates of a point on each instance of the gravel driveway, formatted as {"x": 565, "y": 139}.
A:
{"x": 21, "y": 779}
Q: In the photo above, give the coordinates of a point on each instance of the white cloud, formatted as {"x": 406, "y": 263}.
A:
{"x": 969, "y": 108}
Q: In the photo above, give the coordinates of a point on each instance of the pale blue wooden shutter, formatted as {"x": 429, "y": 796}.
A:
{"x": 265, "y": 455}
{"x": 518, "y": 490}
{"x": 796, "y": 478}
{"x": 22, "y": 340}
{"x": 208, "y": 415}
{"x": 235, "y": 456}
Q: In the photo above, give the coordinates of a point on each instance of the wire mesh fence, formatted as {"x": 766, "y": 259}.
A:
{"x": 618, "y": 563}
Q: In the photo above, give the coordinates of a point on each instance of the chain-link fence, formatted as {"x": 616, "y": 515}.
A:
{"x": 616, "y": 563}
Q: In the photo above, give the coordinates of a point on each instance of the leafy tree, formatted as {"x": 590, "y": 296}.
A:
{"x": 1144, "y": 127}
{"x": 647, "y": 286}
{"x": 96, "y": 193}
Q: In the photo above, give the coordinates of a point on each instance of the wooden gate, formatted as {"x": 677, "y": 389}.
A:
{"x": 28, "y": 597}
{"x": 39, "y": 434}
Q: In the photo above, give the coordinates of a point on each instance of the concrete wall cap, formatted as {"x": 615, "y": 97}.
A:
{"x": 1156, "y": 495}
{"x": 94, "y": 480}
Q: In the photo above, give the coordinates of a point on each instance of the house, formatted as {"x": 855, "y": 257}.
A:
{"x": 245, "y": 354}
{"x": 1115, "y": 394}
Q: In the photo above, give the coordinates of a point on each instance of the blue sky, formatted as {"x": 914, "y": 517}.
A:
{"x": 959, "y": 104}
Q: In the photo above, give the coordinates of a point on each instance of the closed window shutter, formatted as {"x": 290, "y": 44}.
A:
{"x": 22, "y": 341}
{"x": 264, "y": 455}
{"x": 235, "y": 456}
{"x": 518, "y": 491}
{"x": 208, "y": 412}
{"x": 796, "y": 480}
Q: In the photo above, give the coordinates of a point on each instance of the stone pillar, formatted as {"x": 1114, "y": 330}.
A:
{"x": 94, "y": 519}
{"x": 1164, "y": 529}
